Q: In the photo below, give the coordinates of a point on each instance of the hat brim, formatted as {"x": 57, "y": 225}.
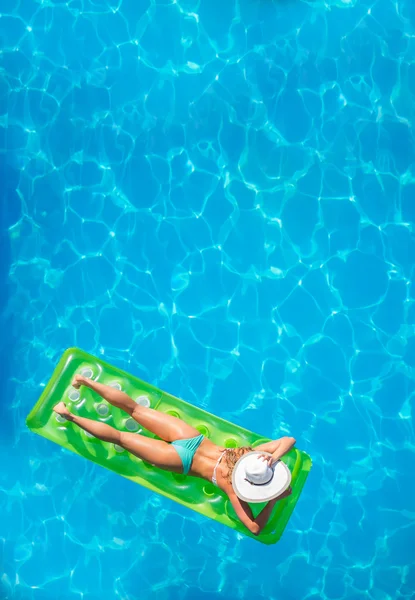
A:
{"x": 260, "y": 493}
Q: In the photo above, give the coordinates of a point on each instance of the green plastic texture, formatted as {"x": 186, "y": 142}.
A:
{"x": 197, "y": 494}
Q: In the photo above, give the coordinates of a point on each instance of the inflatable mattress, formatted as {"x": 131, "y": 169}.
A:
{"x": 196, "y": 494}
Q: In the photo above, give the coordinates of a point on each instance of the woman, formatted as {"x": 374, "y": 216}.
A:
{"x": 244, "y": 475}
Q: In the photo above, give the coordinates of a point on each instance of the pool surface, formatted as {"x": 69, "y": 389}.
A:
{"x": 219, "y": 197}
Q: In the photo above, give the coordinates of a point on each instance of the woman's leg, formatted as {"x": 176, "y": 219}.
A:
{"x": 110, "y": 394}
{"x": 155, "y": 452}
{"x": 166, "y": 427}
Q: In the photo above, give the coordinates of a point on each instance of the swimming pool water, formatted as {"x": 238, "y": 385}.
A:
{"x": 220, "y": 198}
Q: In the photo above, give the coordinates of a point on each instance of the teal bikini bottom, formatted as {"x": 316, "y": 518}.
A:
{"x": 186, "y": 449}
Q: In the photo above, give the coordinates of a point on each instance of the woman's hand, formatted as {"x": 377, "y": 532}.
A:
{"x": 267, "y": 458}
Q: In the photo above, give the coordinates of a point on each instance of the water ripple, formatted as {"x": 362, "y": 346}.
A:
{"x": 219, "y": 198}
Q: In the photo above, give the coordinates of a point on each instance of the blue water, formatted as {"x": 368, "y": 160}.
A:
{"x": 218, "y": 196}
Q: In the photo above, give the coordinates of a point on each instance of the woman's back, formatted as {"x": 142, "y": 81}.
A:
{"x": 215, "y": 463}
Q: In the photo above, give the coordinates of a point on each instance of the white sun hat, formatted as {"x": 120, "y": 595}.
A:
{"x": 253, "y": 480}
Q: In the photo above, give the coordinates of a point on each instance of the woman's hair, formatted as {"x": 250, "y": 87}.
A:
{"x": 231, "y": 458}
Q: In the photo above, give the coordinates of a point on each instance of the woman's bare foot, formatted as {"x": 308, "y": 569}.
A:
{"x": 77, "y": 381}
{"x": 61, "y": 410}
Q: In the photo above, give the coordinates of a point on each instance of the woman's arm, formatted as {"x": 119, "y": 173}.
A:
{"x": 277, "y": 447}
{"x": 244, "y": 513}
{"x": 263, "y": 517}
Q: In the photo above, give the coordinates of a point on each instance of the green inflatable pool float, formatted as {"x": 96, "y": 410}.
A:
{"x": 196, "y": 494}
